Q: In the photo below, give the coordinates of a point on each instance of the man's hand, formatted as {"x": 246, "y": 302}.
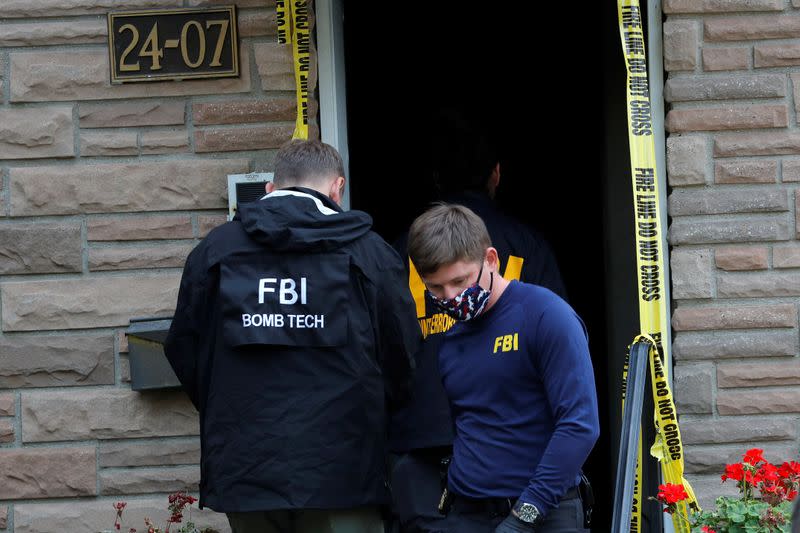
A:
{"x": 512, "y": 524}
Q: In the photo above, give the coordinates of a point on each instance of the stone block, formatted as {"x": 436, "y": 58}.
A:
{"x": 680, "y": 44}
{"x": 275, "y": 67}
{"x": 3, "y": 516}
{"x": 733, "y": 344}
{"x": 734, "y": 317}
{"x": 55, "y": 416}
{"x": 149, "y": 480}
{"x": 47, "y": 472}
{"x": 83, "y": 75}
{"x": 719, "y": 202}
{"x": 6, "y": 432}
{"x": 758, "y": 285}
{"x": 205, "y": 223}
{"x": 136, "y": 228}
{"x": 109, "y": 143}
{"x": 34, "y": 133}
{"x": 165, "y": 142}
{"x": 758, "y": 401}
{"x": 170, "y": 452}
{"x": 797, "y": 210}
{"x": 724, "y": 231}
{"x": 130, "y": 114}
{"x": 61, "y": 8}
{"x": 692, "y": 274}
{"x": 40, "y": 248}
{"x": 704, "y": 459}
{"x": 7, "y": 405}
{"x": 784, "y": 55}
{"x": 752, "y": 28}
{"x": 720, "y": 6}
{"x": 786, "y": 256}
{"x": 93, "y": 515}
{"x": 123, "y": 187}
{"x": 52, "y": 33}
{"x": 686, "y": 160}
{"x": 729, "y": 117}
{"x": 86, "y": 302}
{"x": 56, "y": 360}
{"x": 244, "y": 111}
{"x": 693, "y": 385}
{"x": 727, "y": 58}
{"x": 741, "y": 258}
{"x": 708, "y": 488}
{"x": 745, "y": 429}
{"x": 258, "y": 23}
{"x": 234, "y": 139}
{"x": 124, "y": 369}
{"x": 761, "y": 374}
{"x": 742, "y": 86}
{"x": 795, "y": 90}
{"x": 122, "y": 341}
{"x": 790, "y": 170}
{"x": 746, "y": 171}
{"x": 130, "y": 257}
{"x": 756, "y": 143}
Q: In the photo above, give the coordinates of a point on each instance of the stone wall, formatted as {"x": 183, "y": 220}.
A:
{"x": 104, "y": 191}
{"x": 733, "y": 157}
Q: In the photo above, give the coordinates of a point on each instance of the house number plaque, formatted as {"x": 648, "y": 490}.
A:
{"x": 174, "y": 44}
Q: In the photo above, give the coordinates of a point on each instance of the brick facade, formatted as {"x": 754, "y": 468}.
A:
{"x": 733, "y": 155}
{"x": 104, "y": 190}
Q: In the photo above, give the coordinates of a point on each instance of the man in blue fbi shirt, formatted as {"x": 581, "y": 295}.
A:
{"x": 518, "y": 375}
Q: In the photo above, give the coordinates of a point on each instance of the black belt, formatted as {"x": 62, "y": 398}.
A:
{"x": 496, "y": 506}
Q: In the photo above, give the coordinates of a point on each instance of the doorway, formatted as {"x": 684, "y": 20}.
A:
{"x": 546, "y": 83}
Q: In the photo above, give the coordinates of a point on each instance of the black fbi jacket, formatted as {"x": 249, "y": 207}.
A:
{"x": 293, "y": 335}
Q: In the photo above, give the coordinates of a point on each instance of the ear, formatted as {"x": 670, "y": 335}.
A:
{"x": 494, "y": 180}
{"x": 336, "y": 192}
{"x": 269, "y": 187}
{"x": 493, "y": 259}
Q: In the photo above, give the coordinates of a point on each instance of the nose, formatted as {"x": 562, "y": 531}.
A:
{"x": 451, "y": 292}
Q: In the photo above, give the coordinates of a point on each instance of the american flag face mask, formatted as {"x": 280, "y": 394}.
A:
{"x": 467, "y": 305}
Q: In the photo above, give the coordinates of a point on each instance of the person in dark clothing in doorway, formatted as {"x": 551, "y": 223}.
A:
{"x": 516, "y": 369}
{"x": 465, "y": 171}
{"x": 293, "y": 335}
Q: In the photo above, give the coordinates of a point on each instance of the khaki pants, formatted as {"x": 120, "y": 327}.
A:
{"x": 362, "y": 520}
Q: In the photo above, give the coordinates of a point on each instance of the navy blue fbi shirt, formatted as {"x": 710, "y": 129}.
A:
{"x": 521, "y": 388}
{"x": 524, "y": 255}
{"x": 286, "y": 300}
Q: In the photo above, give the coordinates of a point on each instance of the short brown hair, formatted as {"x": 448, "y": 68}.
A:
{"x": 301, "y": 162}
{"x": 444, "y": 234}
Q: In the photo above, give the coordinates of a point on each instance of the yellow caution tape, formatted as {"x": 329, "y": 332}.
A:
{"x": 283, "y": 19}
{"x": 653, "y": 313}
{"x": 294, "y": 27}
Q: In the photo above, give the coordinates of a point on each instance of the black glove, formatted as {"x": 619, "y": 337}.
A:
{"x": 512, "y": 524}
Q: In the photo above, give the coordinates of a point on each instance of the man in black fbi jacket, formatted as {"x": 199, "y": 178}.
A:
{"x": 294, "y": 333}
{"x": 465, "y": 171}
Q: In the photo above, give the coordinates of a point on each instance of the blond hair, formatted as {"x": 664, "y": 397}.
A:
{"x": 445, "y": 234}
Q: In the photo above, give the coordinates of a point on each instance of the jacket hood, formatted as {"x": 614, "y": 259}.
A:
{"x": 301, "y": 219}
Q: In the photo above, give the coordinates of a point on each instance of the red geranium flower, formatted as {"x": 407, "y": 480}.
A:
{"x": 734, "y": 471}
{"x": 753, "y": 456}
{"x": 768, "y": 472}
{"x": 670, "y": 494}
{"x": 706, "y": 529}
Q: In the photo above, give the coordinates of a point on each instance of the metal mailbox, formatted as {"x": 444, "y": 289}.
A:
{"x": 150, "y": 369}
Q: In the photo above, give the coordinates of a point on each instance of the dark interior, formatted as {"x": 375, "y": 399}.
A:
{"x": 546, "y": 82}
